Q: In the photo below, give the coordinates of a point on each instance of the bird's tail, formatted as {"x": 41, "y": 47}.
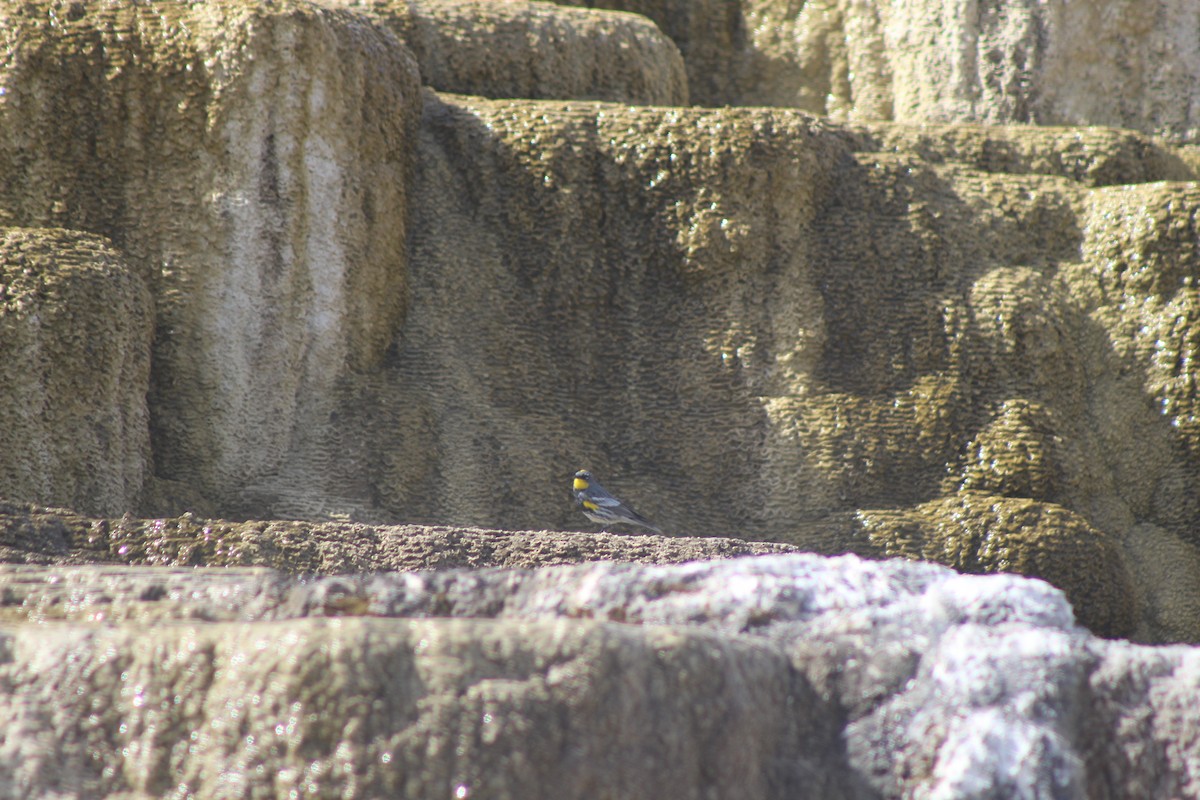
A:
{"x": 645, "y": 523}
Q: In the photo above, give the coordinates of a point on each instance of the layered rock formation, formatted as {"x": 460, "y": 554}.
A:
{"x": 262, "y": 265}
{"x": 783, "y": 676}
{"x": 263, "y": 203}
{"x": 535, "y": 50}
{"x": 1129, "y": 63}
{"x": 757, "y": 321}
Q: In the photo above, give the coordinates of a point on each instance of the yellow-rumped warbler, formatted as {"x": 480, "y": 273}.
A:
{"x": 600, "y": 506}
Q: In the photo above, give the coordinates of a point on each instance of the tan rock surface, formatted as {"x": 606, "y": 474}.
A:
{"x": 972, "y": 533}
{"x": 710, "y": 35}
{"x": 789, "y": 675}
{"x": 371, "y": 707}
{"x": 961, "y": 359}
{"x": 376, "y": 305}
{"x": 76, "y": 326}
{"x": 871, "y": 313}
{"x": 746, "y": 321}
{"x": 250, "y": 160}
{"x": 32, "y": 535}
{"x": 1125, "y": 64}
{"x": 535, "y": 50}
{"x": 985, "y": 534}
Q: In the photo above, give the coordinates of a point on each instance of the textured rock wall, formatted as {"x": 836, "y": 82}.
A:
{"x": 410, "y": 709}
{"x": 1129, "y": 63}
{"x": 250, "y": 160}
{"x": 748, "y": 321}
{"x": 76, "y": 326}
{"x": 783, "y": 322}
{"x": 535, "y": 49}
{"x": 374, "y": 302}
{"x": 632, "y": 300}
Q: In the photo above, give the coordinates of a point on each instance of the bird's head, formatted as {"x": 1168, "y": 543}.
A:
{"x": 583, "y": 479}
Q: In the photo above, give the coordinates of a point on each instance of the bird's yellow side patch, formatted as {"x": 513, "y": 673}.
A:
{"x": 589, "y": 505}
{"x": 580, "y": 484}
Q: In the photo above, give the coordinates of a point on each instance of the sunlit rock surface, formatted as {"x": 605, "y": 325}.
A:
{"x": 250, "y": 162}
{"x": 1127, "y": 64}
{"x": 789, "y": 675}
{"x": 534, "y": 49}
{"x": 271, "y": 296}
{"x": 379, "y": 304}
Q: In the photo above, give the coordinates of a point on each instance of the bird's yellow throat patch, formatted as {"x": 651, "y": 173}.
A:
{"x": 580, "y": 484}
{"x": 589, "y": 505}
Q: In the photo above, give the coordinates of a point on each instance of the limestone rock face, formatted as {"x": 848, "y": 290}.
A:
{"x": 250, "y": 160}
{"x": 1125, "y": 64}
{"x": 535, "y": 50}
{"x": 798, "y": 320}
{"x": 972, "y": 533}
{"x": 262, "y": 283}
{"x": 377, "y": 304}
{"x": 439, "y": 707}
{"x": 790, "y": 317}
{"x": 640, "y": 301}
{"x": 977, "y": 533}
{"x": 76, "y": 326}
{"x": 794, "y": 676}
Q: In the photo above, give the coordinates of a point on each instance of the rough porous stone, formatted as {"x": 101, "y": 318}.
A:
{"x": 534, "y": 49}
{"x": 789, "y": 675}
{"x": 711, "y": 35}
{"x": 33, "y": 535}
{"x": 820, "y": 385}
{"x": 1125, "y": 64}
{"x": 978, "y": 533}
{"x": 250, "y": 160}
{"x": 413, "y": 709}
{"x": 748, "y": 322}
{"x": 76, "y": 325}
{"x": 377, "y": 304}
{"x": 972, "y": 533}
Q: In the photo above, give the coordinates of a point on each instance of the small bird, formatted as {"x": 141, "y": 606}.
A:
{"x": 600, "y": 506}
